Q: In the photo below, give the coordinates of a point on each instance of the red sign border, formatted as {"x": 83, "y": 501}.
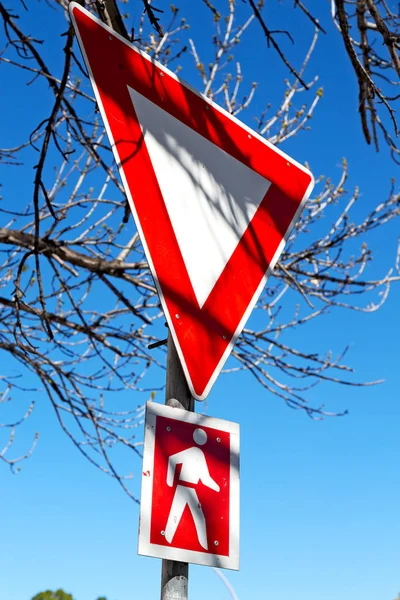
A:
{"x": 145, "y": 547}
{"x": 186, "y": 328}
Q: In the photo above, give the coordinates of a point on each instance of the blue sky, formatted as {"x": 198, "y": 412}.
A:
{"x": 319, "y": 500}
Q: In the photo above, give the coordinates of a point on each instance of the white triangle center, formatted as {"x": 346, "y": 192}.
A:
{"x": 210, "y": 196}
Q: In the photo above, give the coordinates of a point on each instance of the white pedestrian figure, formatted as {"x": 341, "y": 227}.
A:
{"x": 194, "y": 469}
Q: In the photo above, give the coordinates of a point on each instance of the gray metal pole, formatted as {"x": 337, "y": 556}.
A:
{"x": 174, "y": 574}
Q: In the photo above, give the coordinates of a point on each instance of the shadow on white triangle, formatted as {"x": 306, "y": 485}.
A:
{"x": 210, "y": 196}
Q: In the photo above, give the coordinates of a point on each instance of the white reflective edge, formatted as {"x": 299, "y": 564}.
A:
{"x": 254, "y": 299}
{"x": 170, "y": 321}
{"x": 145, "y": 547}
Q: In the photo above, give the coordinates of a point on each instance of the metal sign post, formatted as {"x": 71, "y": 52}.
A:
{"x": 174, "y": 574}
{"x": 214, "y": 204}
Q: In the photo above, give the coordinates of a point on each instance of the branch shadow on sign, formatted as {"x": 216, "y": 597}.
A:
{"x": 220, "y": 506}
{"x": 213, "y": 186}
{"x": 240, "y": 213}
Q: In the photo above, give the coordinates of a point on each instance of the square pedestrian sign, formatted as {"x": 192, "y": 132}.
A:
{"x": 189, "y": 508}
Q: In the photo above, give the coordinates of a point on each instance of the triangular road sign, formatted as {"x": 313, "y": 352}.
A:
{"x": 214, "y": 202}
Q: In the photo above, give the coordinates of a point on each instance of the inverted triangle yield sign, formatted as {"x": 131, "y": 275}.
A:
{"x": 213, "y": 201}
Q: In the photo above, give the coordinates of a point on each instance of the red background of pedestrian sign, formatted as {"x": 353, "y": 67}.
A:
{"x": 215, "y": 505}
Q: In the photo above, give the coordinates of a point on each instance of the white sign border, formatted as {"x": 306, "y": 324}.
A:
{"x": 145, "y": 547}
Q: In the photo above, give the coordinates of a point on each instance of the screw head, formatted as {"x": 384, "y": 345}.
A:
{"x": 110, "y": 37}
{"x": 163, "y": 532}
{"x": 249, "y": 136}
{"x": 216, "y": 543}
{"x": 218, "y": 439}
{"x": 177, "y": 316}
{"x": 168, "y": 428}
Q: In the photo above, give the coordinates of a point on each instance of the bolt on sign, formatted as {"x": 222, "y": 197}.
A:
{"x": 189, "y": 508}
{"x": 213, "y": 201}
